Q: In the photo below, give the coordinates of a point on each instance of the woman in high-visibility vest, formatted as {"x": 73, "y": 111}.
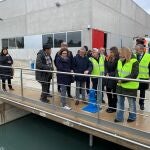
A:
{"x": 128, "y": 67}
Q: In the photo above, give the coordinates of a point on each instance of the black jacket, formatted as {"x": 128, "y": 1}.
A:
{"x": 6, "y": 73}
{"x": 110, "y": 69}
{"x": 64, "y": 65}
{"x": 70, "y": 57}
{"x": 81, "y": 64}
{"x": 41, "y": 65}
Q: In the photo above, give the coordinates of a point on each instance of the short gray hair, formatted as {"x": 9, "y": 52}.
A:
{"x": 95, "y": 49}
{"x": 82, "y": 48}
{"x": 141, "y": 46}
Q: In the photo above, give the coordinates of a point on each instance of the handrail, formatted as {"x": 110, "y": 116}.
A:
{"x": 79, "y": 74}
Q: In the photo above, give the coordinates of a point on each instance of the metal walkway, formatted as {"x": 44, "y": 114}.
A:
{"x": 135, "y": 135}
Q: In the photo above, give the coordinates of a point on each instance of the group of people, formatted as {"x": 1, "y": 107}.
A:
{"x": 6, "y": 70}
{"x": 121, "y": 63}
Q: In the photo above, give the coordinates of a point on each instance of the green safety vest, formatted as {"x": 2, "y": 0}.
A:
{"x": 124, "y": 71}
{"x": 98, "y": 68}
{"x": 143, "y": 67}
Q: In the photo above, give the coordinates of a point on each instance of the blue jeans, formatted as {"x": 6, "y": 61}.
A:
{"x": 80, "y": 85}
{"x": 63, "y": 94}
{"x": 121, "y": 108}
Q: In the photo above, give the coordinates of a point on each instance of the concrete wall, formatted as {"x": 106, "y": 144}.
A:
{"x": 13, "y": 13}
{"x": 121, "y": 19}
{"x": 9, "y": 113}
{"x": 36, "y": 17}
{"x": 42, "y": 16}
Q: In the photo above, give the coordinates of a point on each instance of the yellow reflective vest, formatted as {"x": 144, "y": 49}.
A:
{"x": 144, "y": 67}
{"x": 98, "y": 67}
{"x": 125, "y": 70}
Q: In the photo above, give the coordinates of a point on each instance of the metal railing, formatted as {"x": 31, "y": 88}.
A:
{"x": 99, "y": 90}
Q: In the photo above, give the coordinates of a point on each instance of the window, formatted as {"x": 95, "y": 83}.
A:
{"x": 20, "y": 42}
{"x": 59, "y": 38}
{"x": 4, "y": 43}
{"x": 17, "y": 42}
{"x": 12, "y": 43}
{"x": 33, "y": 42}
{"x": 74, "y": 39}
{"x": 48, "y": 39}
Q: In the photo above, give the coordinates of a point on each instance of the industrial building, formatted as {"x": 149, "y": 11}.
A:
{"x": 25, "y": 25}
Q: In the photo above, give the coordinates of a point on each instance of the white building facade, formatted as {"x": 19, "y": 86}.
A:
{"x": 28, "y": 24}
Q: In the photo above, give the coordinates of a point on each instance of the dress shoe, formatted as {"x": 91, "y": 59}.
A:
{"x": 85, "y": 102}
{"x": 130, "y": 120}
{"x": 103, "y": 101}
{"x": 44, "y": 100}
{"x": 114, "y": 110}
{"x": 11, "y": 89}
{"x": 117, "y": 120}
{"x": 70, "y": 96}
{"x": 142, "y": 107}
{"x": 109, "y": 110}
{"x": 49, "y": 95}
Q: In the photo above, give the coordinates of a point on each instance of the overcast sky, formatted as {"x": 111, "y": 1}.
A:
{"x": 145, "y": 4}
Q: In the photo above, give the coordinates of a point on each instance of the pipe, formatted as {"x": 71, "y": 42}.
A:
{"x": 79, "y": 74}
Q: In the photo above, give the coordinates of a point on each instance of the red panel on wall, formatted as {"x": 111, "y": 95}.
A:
{"x": 97, "y": 38}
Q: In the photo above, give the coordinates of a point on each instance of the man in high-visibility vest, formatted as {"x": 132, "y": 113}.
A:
{"x": 144, "y": 71}
{"x": 128, "y": 67}
{"x": 97, "y": 61}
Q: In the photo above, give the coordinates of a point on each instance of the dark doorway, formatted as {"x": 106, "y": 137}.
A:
{"x": 105, "y": 40}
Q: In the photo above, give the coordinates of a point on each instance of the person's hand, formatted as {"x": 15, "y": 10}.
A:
{"x": 9, "y": 62}
{"x": 119, "y": 81}
{"x": 86, "y": 72}
{"x": 107, "y": 74}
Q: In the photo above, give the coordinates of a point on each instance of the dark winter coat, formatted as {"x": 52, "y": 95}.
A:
{"x": 6, "y": 73}
{"x": 110, "y": 69}
{"x": 81, "y": 64}
{"x": 42, "y": 65}
{"x": 133, "y": 75}
{"x": 64, "y": 65}
{"x": 70, "y": 56}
